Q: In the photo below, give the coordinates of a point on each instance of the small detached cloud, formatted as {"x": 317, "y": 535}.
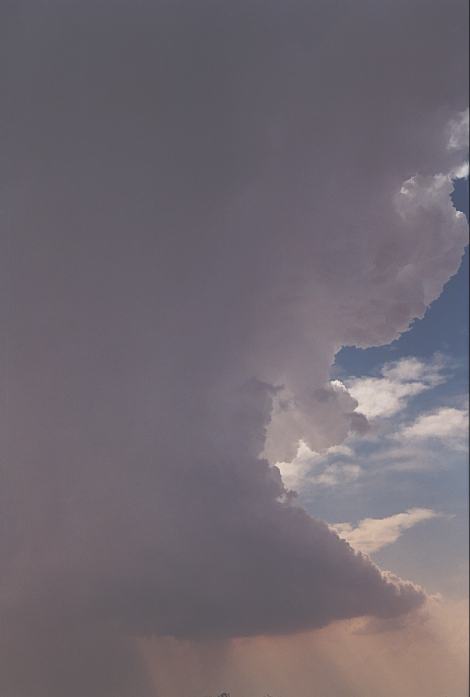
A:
{"x": 398, "y": 382}
{"x": 372, "y": 534}
{"x": 459, "y": 131}
{"x": 447, "y": 425}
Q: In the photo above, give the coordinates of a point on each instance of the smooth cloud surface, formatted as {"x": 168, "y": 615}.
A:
{"x": 372, "y": 534}
{"x": 204, "y": 202}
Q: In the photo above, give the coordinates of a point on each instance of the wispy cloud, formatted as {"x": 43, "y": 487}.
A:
{"x": 330, "y": 467}
{"x": 398, "y": 382}
{"x": 372, "y": 534}
{"x": 447, "y": 425}
{"x": 337, "y": 473}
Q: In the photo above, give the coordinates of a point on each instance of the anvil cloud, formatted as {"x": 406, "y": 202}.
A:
{"x": 203, "y": 203}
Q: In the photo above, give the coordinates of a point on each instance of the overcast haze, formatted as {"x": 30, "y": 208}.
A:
{"x": 202, "y": 203}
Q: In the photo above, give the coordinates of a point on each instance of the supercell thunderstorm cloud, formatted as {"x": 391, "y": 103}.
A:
{"x": 202, "y": 202}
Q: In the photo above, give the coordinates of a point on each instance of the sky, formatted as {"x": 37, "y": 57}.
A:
{"x": 234, "y": 357}
{"x": 436, "y": 483}
{"x": 370, "y": 476}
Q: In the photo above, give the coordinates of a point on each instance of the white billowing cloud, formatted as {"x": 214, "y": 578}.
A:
{"x": 461, "y": 171}
{"x": 412, "y": 369}
{"x": 294, "y": 471}
{"x": 418, "y": 196}
{"x": 446, "y": 424}
{"x": 382, "y": 396}
{"x": 292, "y": 420}
{"x": 372, "y": 534}
{"x": 399, "y": 381}
{"x": 331, "y": 467}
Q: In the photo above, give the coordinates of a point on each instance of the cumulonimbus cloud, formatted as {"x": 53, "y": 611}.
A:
{"x": 204, "y": 202}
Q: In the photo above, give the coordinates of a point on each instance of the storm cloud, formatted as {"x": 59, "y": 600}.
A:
{"x": 202, "y": 203}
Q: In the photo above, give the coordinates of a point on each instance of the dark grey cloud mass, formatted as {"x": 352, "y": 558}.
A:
{"x": 202, "y": 201}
